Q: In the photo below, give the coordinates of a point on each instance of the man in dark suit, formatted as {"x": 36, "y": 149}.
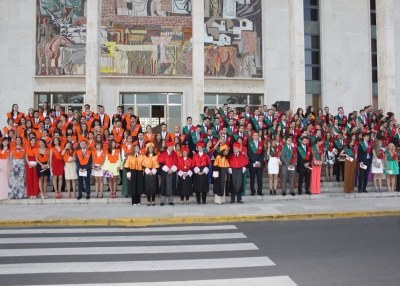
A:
{"x": 83, "y": 163}
{"x": 365, "y": 158}
{"x": 304, "y": 158}
{"x": 256, "y": 153}
{"x": 339, "y": 144}
{"x": 193, "y": 138}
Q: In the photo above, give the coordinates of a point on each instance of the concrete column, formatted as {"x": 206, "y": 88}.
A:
{"x": 296, "y": 43}
{"x": 196, "y": 107}
{"x": 93, "y": 53}
{"x": 386, "y": 55}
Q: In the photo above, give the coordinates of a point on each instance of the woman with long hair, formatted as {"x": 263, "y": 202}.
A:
{"x": 350, "y": 152}
{"x": 45, "y": 111}
{"x": 134, "y": 172}
{"x": 391, "y": 166}
{"x": 315, "y": 182}
{"x": 112, "y": 166}
{"x": 150, "y": 182}
{"x": 29, "y": 115}
{"x": 22, "y": 127}
{"x": 149, "y": 136}
{"x": 206, "y": 113}
{"x": 32, "y": 180}
{"x": 17, "y": 189}
{"x": 221, "y": 174}
{"x": 99, "y": 156}
{"x": 15, "y": 114}
{"x": 273, "y": 153}
{"x": 42, "y": 155}
{"x": 125, "y": 153}
{"x": 310, "y": 111}
{"x": 378, "y": 154}
{"x": 5, "y": 167}
{"x": 56, "y": 166}
{"x": 329, "y": 156}
{"x": 70, "y": 173}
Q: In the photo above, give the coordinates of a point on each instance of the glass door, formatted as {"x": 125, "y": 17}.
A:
{"x": 153, "y": 115}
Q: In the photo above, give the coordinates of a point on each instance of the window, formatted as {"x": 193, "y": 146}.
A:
{"x": 155, "y": 108}
{"x": 311, "y": 10}
{"x": 238, "y": 101}
{"x": 76, "y": 100}
{"x": 313, "y": 100}
{"x": 312, "y": 57}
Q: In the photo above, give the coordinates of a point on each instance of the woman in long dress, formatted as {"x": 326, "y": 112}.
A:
{"x": 112, "y": 166}
{"x": 5, "y": 166}
{"x": 378, "y": 153}
{"x": 98, "y": 158}
{"x": 17, "y": 188}
{"x": 392, "y": 167}
{"x": 273, "y": 153}
{"x": 221, "y": 174}
{"x": 329, "y": 156}
{"x": 43, "y": 168}
{"x": 185, "y": 176}
{"x": 315, "y": 184}
{"x": 150, "y": 165}
{"x": 125, "y": 152}
{"x": 32, "y": 180}
{"x": 134, "y": 173}
{"x": 56, "y": 166}
{"x": 350, "y": 152}
{"x": 70, "y": 173}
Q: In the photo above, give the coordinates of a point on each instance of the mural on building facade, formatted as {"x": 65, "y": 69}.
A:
{"x": 232, "y": 40}
{"x": 147, "y": 37}
{"x": 61, "y": 37}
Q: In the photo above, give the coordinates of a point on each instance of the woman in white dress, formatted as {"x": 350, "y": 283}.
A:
{"x": 273, "y": 153}
{"x": 378, "y": 154}
{"x": 70, "y": 168}
{"x": 99, "y": 157}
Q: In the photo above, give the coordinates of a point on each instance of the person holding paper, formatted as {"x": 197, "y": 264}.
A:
{"x": 125, "y": 152}
{"x": 378, "y": 153}
{"x": 221, "y": 174}
{"x": 316, "y": 165}
{"x": 365, "y": 158}
{"x": 83, "y": 169}
{"x": 185, "y": 175}
{"x": 256, "y": 154}
{"x": 168, "y": 161}
{"x": 391, "y": 168}
{"x": 350, "y": 152}
{"x": 42, "y": 155}
{"x": 99, "y": 157}
{"x": 304, "y": 159}
{"x": 201, "y": 163}
{"x": 329, "y": 156}
{"x": 339, "y": 165}
{"x": 289, "y": 162}
{"x": 70, "y": 171}
{"x": 134, "y": 173}
{"x": 238, "y": 163}
{"x": 150, "y": 166}
{"x": 112, "y": 165}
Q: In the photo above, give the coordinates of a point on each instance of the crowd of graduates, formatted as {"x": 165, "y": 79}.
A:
{"x": 226, "y": 148}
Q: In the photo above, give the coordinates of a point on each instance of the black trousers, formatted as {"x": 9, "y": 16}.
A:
{"x": 363, "y": 177}
{"x": 183, "y": 197}
{"x": 135, "y": 199}
{"x": 151, "y": 198}
{"x": 253, "y": 173}
{"x": 203, "y": 196}
{"x": 338, "y": 169}
{"x": 238, "y": 196}
{"x": 303, "y": 174}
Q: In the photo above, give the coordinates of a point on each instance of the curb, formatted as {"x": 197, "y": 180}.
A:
{"x": 142, "y": 222}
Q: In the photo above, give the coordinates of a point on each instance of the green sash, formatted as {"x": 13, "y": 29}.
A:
{"x": 186, "y": 129}
{"x": 340, "y": 120}
{"x": 272, "y": 130}
{"x": 194, "y": 137}
{"x": 269, "y": 122}
{"x": 339, "y": 144}
{"x": 390, "y": 156}
{"x": 303, "y": 154}
{"x": 255, "y": 122}
{"x": 327, "y": 145}
{"x": 253, "y": 147}
{"x": 336, "y": 129}
{"x": 288, "y": 154}
{"x": 360, "y": 119}
{"x": 319, "y": 119}
{"x": 363, "y": 146}
{"x": 316, "y": 152}
{"x": 349, "y": 152}
{"x": 271, "y": 152}
{"x": 205, "y": 150}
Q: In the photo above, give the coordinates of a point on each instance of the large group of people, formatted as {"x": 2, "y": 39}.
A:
{"x": 228, "y": 146}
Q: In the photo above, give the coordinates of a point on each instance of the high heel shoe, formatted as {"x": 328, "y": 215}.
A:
{"x": 270, "y": 192}
{"x": 274, "y": 192}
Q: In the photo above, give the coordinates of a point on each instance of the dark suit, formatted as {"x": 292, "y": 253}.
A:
{"x": 88, "y": 168}
{"x": 256, "y": 171}
{"x": 365, "y": 158}
{"x": 304, "y": 173}
{"x": 339, "y": 166}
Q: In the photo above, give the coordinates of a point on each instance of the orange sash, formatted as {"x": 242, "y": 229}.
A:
{"x": 42, "y": 158}
{"x": 5, "y": 154}
{"x": 84, "y": 160}
{"x": 18, "y": 154}
{"x": 98, "y": 159}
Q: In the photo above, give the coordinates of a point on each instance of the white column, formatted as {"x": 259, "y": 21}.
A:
{"x": 296, "y": 42}
{"x": 386, "y": 55}
{"x": 198, "y": 61}
{"x": 93, "y": 53}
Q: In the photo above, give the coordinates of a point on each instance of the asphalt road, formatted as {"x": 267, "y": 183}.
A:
{"x": 362, "y": 251}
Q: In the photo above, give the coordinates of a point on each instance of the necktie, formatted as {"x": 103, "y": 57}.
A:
{"x": 87, "y": 118}
{"x": 198, "y": 136}
{"x": 46, "y": 127}
{"x": 304, "y": 148}
{"x": 117, "y": 130}
{"x": 290, "y": 149}
{"x": 237, "y": 155}
{"x": 83, "y": 152}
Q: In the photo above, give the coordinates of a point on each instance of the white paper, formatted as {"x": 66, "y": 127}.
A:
{"x": 334, "y": 151}
{"x": 206, "y": 170}
{"x": 363, "y": 167}
{"x": 165, "y": 168}
{"x": 389, "y": 172}
{"x": 147, "y": 171}
{"x": 196, "y": 170}
{"x": 291, "y": 168}
{"x": 215, "y": 174}
{"x": 83, "y": 173}
{"x": 244, "y": 170}
{"x": 128, "y": 175}
{"x": 32, "y": 163}
{"x": 230, "y": 170}
{"x": 180, "y": 173}
{"x": 310, "y": 168}
{"x": 154, "y": 171}
{"x": 350, "y": 159}
{"x": 190, "y": 173}
{"x": 174, "y": 168}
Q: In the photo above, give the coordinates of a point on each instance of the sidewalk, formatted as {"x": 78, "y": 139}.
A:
{"x": 126, "y": 214}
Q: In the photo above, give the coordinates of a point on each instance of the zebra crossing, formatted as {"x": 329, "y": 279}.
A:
{"x": 132, "y": 256}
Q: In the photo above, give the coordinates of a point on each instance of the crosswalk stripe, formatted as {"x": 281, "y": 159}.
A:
{"x": 275, "y": 281}
{"x": 124, "y": 266}
{"x": 102, "y": 230}
{"x": 127, "y": 250}
{"x": 85, "y": 239}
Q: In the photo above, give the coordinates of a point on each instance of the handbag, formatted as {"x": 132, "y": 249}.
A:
{"x": 108, "y": 174}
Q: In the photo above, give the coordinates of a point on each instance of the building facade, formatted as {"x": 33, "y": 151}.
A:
{"x": 169, "y": 58}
